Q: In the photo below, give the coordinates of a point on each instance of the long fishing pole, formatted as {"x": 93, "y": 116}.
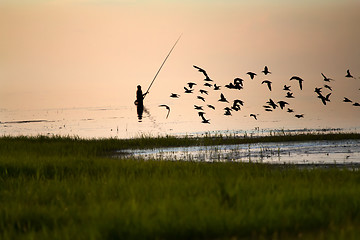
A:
{"x": 147, "y": 91}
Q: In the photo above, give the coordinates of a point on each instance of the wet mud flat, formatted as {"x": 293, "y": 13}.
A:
{"x": 325, "y": 153}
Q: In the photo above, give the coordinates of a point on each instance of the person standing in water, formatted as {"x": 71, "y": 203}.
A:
{"x": 139, "y": 102}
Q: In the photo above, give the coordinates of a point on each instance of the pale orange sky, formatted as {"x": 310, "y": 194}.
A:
{"x": 58, "y": 54}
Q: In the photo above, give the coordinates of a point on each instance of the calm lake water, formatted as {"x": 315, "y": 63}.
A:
{"x": 122, "y": 122}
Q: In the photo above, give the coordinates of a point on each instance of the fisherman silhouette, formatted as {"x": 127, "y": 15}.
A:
{"x": 139, "y": 102}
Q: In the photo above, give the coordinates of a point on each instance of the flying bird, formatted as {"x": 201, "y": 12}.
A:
{"x": 346, "y": 100}
{"x": 201, "y": 114}
{"x": 236, "y": 104}
{"x": 238, "y": 81}
{"x": 204, "y": 120}
{"x": 356, "y": 104}
{"x": 282, "y": 104}
{"x": 207, "y": 85}
{"x": 200, "y": 70}
{"x": 299, "y": 115}
{"x": 174, "y": 95}
{"x": 266, "y": 70}
{"x": 328, "y": 87}
{"x": 251, "y": 74}
{"x": 253, "y": 115}
{"x": 198, "y": 107}
{"x": 227, "y": 112}
{"x": 298, "y": 79}
{"x": 289, "y": 95}
{"x": 327, "y": 79}
{"x": 203, "y": 92}
{"x": 230, "y": 86}
{"x": 289, "y": 110}
{"x": 238, "y": 101}
{"x": 238, "y": 86}
{"x": 272, "y": 104}
{"x": 191, "y": 84}
{"x": 216, "y": 87}
{"x": 167, "y": 107}
{"x": 235, "y": 107}
{"x": 188, "y": 90}
{"x": 286, "y": 88}
{"x": 222, "y": 98}
{"x": 211, "y": 106}
{"x": 324, "y": 99}
{"x": 348, "y": 75}
{"x": 327, "y": 97}
{"x": 318, "y": 90}
{"x": 268, "y": 83}
{"x": 235, "y": 85}
{"x": 201, "y": 98}
{"x": 203, "y": 72}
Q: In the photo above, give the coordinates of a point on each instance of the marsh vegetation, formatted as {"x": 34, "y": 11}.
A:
{"x": 69, "y": 188}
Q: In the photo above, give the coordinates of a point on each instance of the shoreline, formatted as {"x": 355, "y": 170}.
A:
{"x": 145, "y": 141}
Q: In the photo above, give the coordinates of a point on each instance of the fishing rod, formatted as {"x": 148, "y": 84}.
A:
{"x": 147, "y": 91}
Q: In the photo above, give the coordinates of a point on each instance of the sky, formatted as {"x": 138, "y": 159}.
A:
{"x": 84, "y": 53}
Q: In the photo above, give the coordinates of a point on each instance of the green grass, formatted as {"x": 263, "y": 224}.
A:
{"x": 66, "y": 188}
{"x": 60, "y": 146}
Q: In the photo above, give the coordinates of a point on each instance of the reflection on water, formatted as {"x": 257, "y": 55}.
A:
{"x": 122, "y": 122}
{"x": 312, "y": 152}
{"x": 140, "y": 110}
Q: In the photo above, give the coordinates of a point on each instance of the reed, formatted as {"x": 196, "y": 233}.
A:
{"x": 66, "y": 188}
{"x": 102, "y": 146}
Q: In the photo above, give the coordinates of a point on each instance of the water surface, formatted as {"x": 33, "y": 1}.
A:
{"x": 310, "y": 152}
{"x": 122, "y": 122}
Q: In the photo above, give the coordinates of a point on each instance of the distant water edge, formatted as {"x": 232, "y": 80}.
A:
{"x": 121, "y": 122}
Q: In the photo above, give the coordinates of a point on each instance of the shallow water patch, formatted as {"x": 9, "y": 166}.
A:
{"x": 311, "y": 152}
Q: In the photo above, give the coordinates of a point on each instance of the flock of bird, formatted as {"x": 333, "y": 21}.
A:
{"x": 238, "y": 84}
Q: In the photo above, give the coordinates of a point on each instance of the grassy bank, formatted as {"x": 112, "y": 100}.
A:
{"x": 60, "y": 146}
{"x": 65, "y": 188}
